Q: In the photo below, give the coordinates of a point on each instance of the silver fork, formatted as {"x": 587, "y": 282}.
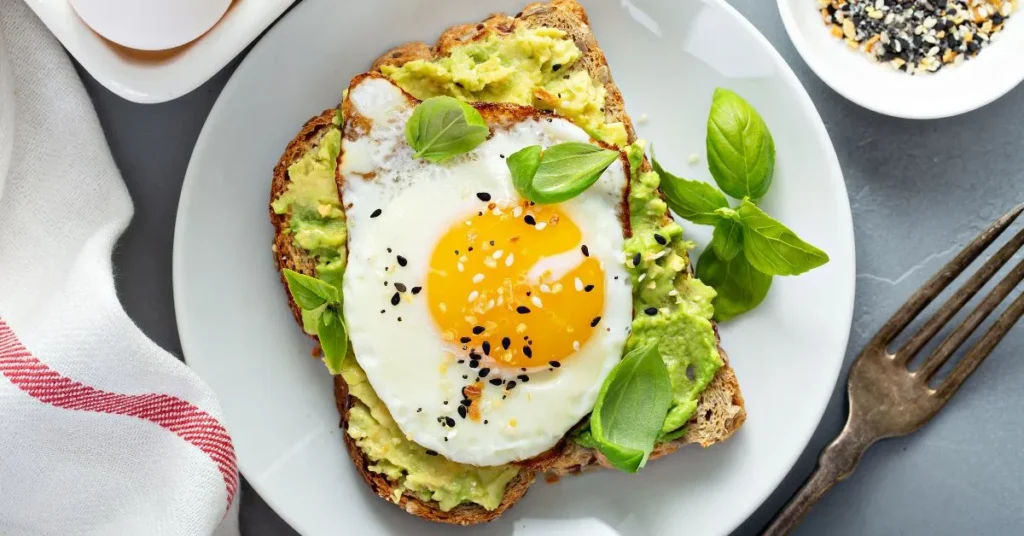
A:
{"x": 889, "y": 400}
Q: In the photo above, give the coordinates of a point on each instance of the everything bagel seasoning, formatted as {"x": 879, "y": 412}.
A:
{"x": 917, "y": 36}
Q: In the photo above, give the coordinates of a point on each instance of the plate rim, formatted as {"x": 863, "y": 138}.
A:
{"x": 191, "y": 180}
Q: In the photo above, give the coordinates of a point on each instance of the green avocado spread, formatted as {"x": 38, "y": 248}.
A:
{"x": 317, "y": 218}
{"x": 406, "y": 464}
{"x": 530, "y": 67}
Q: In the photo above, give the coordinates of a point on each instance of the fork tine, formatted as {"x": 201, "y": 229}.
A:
{"x": 977, "y": 316}
{"x": 957, "y": 301}
{"x": 980, "y": 351}
{"x": 924, "y": 296}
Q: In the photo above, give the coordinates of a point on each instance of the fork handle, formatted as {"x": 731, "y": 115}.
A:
{"x": 836, "y": 462}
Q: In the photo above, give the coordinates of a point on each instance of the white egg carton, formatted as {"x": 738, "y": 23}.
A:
{"x": 150, "y": 77}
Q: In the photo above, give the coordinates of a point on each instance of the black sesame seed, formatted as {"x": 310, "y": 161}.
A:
{"x": 588, "y": 288}
{"x": 595, "y": 321}
{"x": 465, "y": 376}
{"x": 660, "y": 239}
{"x": 510, "y": 385}
{"x": 400, "y": 287}
{"x": 389, "y": 250}
{"x": 375, "y": 213}
{"x": 399, "y": 319}
{"x": 523, "y": 378}
{"x": 529, "y": 220}
{"x": 478, "y": 330}
{"x": 419, "y": 410}
{"x": 473, "y": 363}
{"x": 585, "y": 250}
{"x": 506, "y": 342}
{"x": 445, "y": 402}
{"x": 465, "y": 340}
{"x": 496, "y": 381}
{"x": 555, "y": 364}
{"x": 636, "y": 259}
{"x": 484, "y": 196}
{"x": 527, "y": 352}
{"x": 487, "y": 348}
{"x": 395, "y": 299}
{"x": 462, "y": 411}
{"x": 522, "y": 309}
{"x": 431, "y": 452}
{"x": 466, "y": 402}
{"x": 501, "y": 155}
{"x": 470, "y": 248}
{"x": 416, "y": 290}
{"x": 485, "y": 421}
{"x": 484, "y": 372}
{"x": 556, "y": 66}
{"x": 651, "y": 311}
{"x": 382, "y": 311}
{"x": 403, "y": 262}
{"x": 461, "y": 361}
{"x": 449, "y": 421}
{"x": 446, "y": 440}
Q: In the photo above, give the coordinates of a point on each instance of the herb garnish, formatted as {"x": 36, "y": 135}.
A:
{"x": 558, "y": 173}
{"x": 323, "y": 301}
{"x": 443, "y": 127}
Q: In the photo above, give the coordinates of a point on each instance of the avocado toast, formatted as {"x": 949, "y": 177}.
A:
{"x": 565, "y": 72}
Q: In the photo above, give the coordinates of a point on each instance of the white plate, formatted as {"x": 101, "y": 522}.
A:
{"x": 667, "y": 57}
{"x": 150, "y": 77}
{"x": 996, "y": 70}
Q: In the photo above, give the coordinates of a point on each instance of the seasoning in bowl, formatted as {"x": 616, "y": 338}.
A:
{"x": 917, "y": 36}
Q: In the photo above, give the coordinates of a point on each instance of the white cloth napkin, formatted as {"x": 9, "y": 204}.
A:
{"x": 101, "y": 431}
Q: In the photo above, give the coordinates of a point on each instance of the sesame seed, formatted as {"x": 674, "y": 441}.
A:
{"x": 554, "y": 364}
{"x": 478, "y": 278}
{"x": 402, "y": 261}
{"x": 585, "y": 250}
{"x": 636, "y": 259}
{"x": 473, "y": 363}
{"x": 484, "y": 372}
{"x": 527, "y": 351}
{"x": 399, "y": 319}
{"x": 509, "y": 259}
{"x": 588, "y": 288}
{"x": 496, "y": 381}
{"x": 389, "y": 250}
{"x": 382, "y": 311}
{"x": 660, "y": 239}
{"x": 529, "y": 220}
{"x": 523, "y": 378}
{"x": 415, "y": 290}
{"x": 395, "y": 299}
{"x": 473, "y": 296}
{"x": 506, "y": 342}
{"x": 536, "y": 302}
{"x": 460, "y": 267}
{"x": 497, "y": 254}
{"x": 484, "y": 196}
{"x": 431, "y": 452}
{"x": 651, "y": 311}
{"x": 400, "y": 287}
{"x": 487, "y": 348}
{"x": 462, "y": 412}
{"x": 541, "y": 225}
{"x": 465, "y": 340}
{"x": 449, "y": 421}
{"x": 595, "y": 321}
{"x": 579, "y": 284}
{"x": 576, "y": 345}
{"x": 375, "y": 213}
{"x": 510, "y": 385}
{"x": 522, "y": 309}
{"x": 478, "y": 330}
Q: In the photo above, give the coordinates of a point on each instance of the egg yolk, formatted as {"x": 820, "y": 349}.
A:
{"x": 515, "y": 284}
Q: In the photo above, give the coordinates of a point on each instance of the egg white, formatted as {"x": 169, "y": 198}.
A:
{"x": 408, "y": 364}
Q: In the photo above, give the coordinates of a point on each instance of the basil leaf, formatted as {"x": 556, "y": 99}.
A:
{"x": 443, "y": 127}
{"x": 727, "y": 240}
{"x": 691, "y": 200}
{"x": 310, "y": 292}
{"x": 631, "y": 408}
{"x": 561, "y": 172}
{"x": 330, "y": 329}
{"x": 772, "y": 248}
{"x": 741, "y": 151}
{"x": 739, "y": 286}
{"x": 672, "y": 436}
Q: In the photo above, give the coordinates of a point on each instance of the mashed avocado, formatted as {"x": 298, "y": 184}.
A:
{"x": 406, "y": 464}
{"x": 531, "y": 67}
{"x": 682, "y": 327}
{"x": 318, "y": 221}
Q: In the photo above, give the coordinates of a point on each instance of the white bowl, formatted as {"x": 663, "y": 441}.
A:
{"x": 951, "y": 91}
{"x": 151, "y": 24}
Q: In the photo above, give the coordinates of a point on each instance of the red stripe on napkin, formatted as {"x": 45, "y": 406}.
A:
{"x": 174, "y": 414}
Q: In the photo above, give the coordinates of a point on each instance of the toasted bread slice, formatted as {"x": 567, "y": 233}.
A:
{"x": 720, "y": 410}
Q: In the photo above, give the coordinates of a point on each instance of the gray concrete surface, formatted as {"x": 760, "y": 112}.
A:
{"x": 919, "y": 191}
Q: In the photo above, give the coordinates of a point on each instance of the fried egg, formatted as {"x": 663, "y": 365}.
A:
{"x": 486, "y": 324}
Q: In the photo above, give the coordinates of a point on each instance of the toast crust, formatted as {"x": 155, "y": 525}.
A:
{"x": 720, "y": 410}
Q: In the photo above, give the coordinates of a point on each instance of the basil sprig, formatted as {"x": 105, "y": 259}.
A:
{"x": 748, "y": 247}
{"x": 558, "y": 173}
{"x": 631, "y": 408}
{"x": 443, "y": 127}
{"x": 323, "y": 301}
{"x": 741, "y": 151}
